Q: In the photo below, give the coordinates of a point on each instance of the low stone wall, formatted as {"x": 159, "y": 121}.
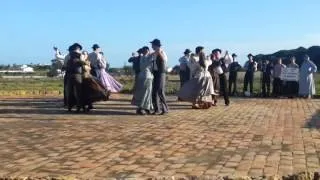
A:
{"x": 299, "y": 176}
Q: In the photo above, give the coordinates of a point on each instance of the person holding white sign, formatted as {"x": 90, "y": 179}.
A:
{"x": 292, "y": 86}
{"x": 306, "y": 81}
{"x": 277, "y": 82}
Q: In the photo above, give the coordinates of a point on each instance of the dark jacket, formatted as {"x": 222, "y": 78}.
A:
{"x": 266, "y": 69}
{"x": 234, "y": 67}
{"x": 135, "y": 64}
{"x": 250, "y": 68}
{"x": 74, "y": 65}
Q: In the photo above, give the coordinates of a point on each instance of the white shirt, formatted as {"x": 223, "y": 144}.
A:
{"x": 165, "y": 57}
{"x": 59, "y": 56}
{"x": 102, "y": 61}
{"x": 94, "y": 59}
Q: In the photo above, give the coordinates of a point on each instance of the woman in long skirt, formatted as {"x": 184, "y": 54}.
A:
{"x": 143, "y": 93}
{"x": 93, "y": 90}
{"x": 199, "y": 90}
{"x": 106, "y": 79}
{"x": 306, "y": 81}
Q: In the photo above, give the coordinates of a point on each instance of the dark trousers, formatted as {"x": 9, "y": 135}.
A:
{"x": 135, "y": 82}
{"x": 158, "y": 92}
{"x": 248, "y": 79}
{"x": 266, "y": 82}
{"x": 277, "y": 87}
{"x": 223, "y": 89}
{"x": 291, "y": 88}
{"x": 233, "y": 82}
{"x": 184, "y": 77}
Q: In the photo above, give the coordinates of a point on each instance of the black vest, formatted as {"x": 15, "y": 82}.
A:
{"x": 159, "y": 65}
{"x": 251, "y": 67}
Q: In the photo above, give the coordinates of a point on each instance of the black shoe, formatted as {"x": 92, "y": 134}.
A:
{"x": 108, "y": 95}
{"x": 214, "y": 103}
{"x": 156, "y": 113}
{"x": 164, "y": 113}
{"x": 139, "y": 112}
{"x": 227, "y": 103}
{"x": 147, "y": 112}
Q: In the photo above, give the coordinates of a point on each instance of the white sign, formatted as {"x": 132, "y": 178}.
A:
{"x": 290, "y": 74}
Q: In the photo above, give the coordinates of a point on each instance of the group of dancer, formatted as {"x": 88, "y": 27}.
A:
{"x": 86, "y": 80}
{"x": 199, "y": 89}
{"x": 203, "y": 78}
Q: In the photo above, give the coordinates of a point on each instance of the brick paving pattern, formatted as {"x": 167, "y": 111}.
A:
{"x": 252, "y": 137}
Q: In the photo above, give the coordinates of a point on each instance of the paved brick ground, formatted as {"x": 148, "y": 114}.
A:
{"x": 250, "y": 137}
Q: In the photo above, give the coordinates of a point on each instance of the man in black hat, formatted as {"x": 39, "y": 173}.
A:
{"x": 219, "y": 68}
{"x": 250, "y": 67}
{"x": 74, "y": 82}
{"x": 184, "y": 69}
{"x": 159, "y": 81}
{"x": 94, "y": 61}
{"x": 266, "y": 69}
{"x": 233, "y": 74}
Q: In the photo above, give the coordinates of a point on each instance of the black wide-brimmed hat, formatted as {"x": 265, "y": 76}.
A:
{"x": 75, "y": 46}
{"x": 95, "y": 46}
{"x": 234, "y": 55}
{"x": 187, "y": 51}
{"x": 156, "y": 42}
{"x": 216, "y": 50}
{"x": 70, "y": 48}
{"x": 198, "y": 49}
{"x": 250, "y": 55}
{"x": 144, "y": 48}
{"x": 140, "y": 50}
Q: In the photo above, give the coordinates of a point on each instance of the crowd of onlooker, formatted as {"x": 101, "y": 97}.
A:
{"x": 273, "y": 82}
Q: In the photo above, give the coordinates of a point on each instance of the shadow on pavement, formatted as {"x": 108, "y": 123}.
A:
{"x": 51, "y": 111}
{"x": 314, "y": 122}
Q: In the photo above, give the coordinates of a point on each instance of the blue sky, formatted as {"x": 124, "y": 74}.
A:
{"x": 29, "y": 29}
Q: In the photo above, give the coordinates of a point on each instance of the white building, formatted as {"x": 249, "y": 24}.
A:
{"x": 26, "y": 69}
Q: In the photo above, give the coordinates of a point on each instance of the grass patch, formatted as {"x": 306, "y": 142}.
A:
{"x": 55, "y": 85}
